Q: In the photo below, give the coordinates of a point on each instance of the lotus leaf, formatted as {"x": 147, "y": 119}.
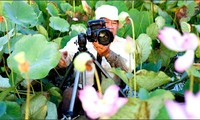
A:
{"x": 41, "y": 55}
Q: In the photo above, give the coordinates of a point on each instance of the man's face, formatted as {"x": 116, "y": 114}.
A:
{"x": 112, "y": 25}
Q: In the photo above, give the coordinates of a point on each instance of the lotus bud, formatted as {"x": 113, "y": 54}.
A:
{"x": 82, "y": 62}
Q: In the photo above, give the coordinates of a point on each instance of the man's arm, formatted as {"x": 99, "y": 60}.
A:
{"x": 116, "y": 61}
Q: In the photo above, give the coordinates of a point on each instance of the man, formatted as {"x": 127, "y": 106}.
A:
{"x": 113, "y": 55}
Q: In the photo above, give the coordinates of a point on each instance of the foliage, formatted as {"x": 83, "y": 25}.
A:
{"x": 40, "y": 28}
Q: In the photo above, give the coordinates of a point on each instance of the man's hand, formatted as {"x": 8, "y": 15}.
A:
{"x": 101, "y": 49}
{"x": 62, "y": 63}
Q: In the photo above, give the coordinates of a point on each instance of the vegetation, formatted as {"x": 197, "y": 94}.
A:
{"x": 33, "y": 31}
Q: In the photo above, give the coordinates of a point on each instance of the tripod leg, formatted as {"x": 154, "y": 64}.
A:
{"x": 74, "y": 92}
{"x": 106, "y": 74}
{"x": 101, "y": 68}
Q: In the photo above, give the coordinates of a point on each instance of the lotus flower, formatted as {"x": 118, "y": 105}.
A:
{"x": 173, "y": 40}
{"x": 130, "y": 45}
{"x": 97, "y": 106}
{"x": 188, "y": 110}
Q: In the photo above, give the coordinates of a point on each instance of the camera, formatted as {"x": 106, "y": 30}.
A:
{"x": 97, "y": 31}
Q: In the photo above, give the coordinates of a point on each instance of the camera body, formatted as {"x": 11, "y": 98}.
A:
{"x": 97, "y": 31}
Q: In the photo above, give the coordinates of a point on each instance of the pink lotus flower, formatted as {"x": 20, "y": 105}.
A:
{"x": 173, "y": 40}
{"x": 97, "y": 106}
{"x": 188, "y": 110}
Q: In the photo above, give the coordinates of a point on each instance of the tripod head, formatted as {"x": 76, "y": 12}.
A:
{"x": 82, "y": 41}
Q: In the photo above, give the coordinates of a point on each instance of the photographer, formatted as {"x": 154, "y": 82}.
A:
{"x": 113, "y": 54}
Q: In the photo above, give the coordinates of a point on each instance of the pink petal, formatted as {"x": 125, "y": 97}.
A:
{"x": 111, "y": 94}
{"x": 171, "y": 38}
{"x": 175, "y": 110}
{"x": 191, "y": 41}
{"x": 185, "y": 61}
{"x": 113, "y": 101}
{"x": 192, "y": 105}
{"x": 89, "y": 99}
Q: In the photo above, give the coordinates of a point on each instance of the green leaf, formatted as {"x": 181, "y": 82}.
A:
{"x": 106, "y": 82}
{"x": 143, "y": 94}
{"x": 42, "y": 30}
{"x": 152, "y": 31}
{"x": 163, "y": 54}
{"x": 131, "y": 110}
{"x": 156, "y": 102}
{"x": 52, "y": 10}
{"x": 5, "y": 92}
{"x": 150, "y": 80}
{"x": 160, "y": 22}
{"x": 12, "y": 41}
{"x": 144, "y": 42}
{"x": 197, "y": 52}
{"x": 80, "y": 28}
{"x": 58, "y": 23}
{"x": 2, "y": 108}
{"x": 65, "y": 7}
{"x": 119, "y": 72}
{"x": 51, "y": 111}
{"x": 12, "y": 111}
{"x": 38, "y": 107}
{"x": 141, "y": 19}
{"x": 5, "y": 39}
{"x": 152, "y": 67}
{"x": 185, "y": 27}
{"x": 41, "y": 55}
{"x": 193, "y": 71}
{"x": 21, "y": 13}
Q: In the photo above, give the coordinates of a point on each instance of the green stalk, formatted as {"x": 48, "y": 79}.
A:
{"x": 191, "y": 83}
{"x": 27, "y": 98}
{"x": 9, "y": 51}
{"x": 134, "y": 55}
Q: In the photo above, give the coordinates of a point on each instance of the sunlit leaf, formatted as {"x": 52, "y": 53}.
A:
{"x": 41, "y": 55}
{"x": 160, "y": 22}
{"x": 152, "y": 31}
{"x": 185, "y": 27}
{"x": 144, "y": 42}
{"x": 21, "y": 13}
{"x": 158, "y": 101}
{"x": 60, "y": 24}
{"x": 132, "y": 106}
{"x": 150, "y": 80}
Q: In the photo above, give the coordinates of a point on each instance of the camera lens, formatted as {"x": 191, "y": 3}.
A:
{"x": 105, "y": 37}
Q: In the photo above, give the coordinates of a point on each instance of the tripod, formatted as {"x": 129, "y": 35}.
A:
{"x": 81, "y": 76}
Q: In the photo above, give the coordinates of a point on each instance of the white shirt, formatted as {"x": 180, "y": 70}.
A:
{"x": 117, "y": 46}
